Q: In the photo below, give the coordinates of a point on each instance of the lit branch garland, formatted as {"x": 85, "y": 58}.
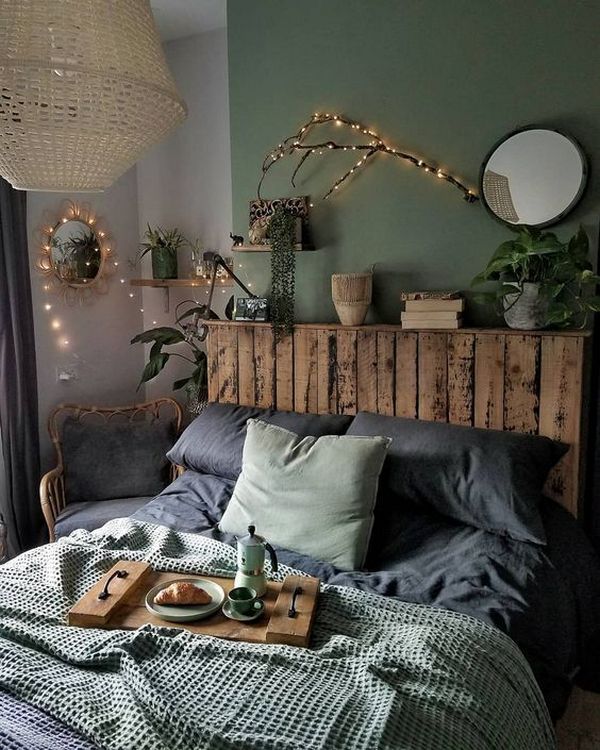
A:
{"x": 297, "y": 143}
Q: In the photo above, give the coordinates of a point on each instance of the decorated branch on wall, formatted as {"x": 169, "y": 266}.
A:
{"x": 303, "y": 143}
{"x": 282, "y": 231}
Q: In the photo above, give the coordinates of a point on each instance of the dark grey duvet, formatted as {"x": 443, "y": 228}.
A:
{"x": 547, "y": 598}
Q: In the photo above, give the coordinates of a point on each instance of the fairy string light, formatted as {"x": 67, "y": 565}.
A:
{"x": 299, "y": 144}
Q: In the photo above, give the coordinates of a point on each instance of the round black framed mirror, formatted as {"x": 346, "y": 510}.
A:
{"x": 533, "y": 176}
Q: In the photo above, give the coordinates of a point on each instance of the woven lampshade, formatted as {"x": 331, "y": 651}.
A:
{"x": 85, "y": 89}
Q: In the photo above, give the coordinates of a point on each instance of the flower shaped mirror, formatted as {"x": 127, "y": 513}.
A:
{"x": 533, "y": 177}
{"x": 76, "y": 256}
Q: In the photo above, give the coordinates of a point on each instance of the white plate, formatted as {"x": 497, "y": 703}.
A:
{"x": 229, "y": 612}
{"x": 186, "y": 612}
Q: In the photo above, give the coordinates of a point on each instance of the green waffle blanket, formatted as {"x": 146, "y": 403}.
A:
{"x": 380, "y": 673}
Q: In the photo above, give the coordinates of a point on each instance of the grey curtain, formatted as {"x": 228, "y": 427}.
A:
{"x": 592, "y": 508}
{"x": 19, "y": 436}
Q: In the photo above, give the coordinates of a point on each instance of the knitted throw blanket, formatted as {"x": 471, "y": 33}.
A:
{"x": 380, "y": 673}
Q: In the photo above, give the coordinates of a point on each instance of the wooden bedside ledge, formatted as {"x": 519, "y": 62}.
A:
{"x": 398, "y": 328}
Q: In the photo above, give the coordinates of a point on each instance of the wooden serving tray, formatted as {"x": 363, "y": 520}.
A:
{"x": 125, "y": 609}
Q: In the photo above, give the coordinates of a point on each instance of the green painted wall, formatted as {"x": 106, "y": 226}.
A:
{"x": 442, "y": 78}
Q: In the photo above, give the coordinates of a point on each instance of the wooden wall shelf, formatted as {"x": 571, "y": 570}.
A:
{"x": 167, "y": 284}
{"x": 393, "y": 328}
{"x": 299, "y": 248}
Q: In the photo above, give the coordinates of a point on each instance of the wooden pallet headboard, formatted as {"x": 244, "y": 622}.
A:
{"x": 529, "y": 382}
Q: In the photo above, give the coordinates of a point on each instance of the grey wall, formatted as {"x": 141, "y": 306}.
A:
{"x": 99, "y": 332}
{"x": 441, "y": 79}
{"x": 185, "y": 181}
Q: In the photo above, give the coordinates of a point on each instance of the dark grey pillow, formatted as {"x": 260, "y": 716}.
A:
{"x": 214, "y": 441}
{"x": 488, "y": 479}
{"x": 115, "y": 459}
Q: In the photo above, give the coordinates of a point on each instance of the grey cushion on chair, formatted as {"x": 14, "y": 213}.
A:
{"x": 115, "y": 459}
{"x": 92, "y": 515}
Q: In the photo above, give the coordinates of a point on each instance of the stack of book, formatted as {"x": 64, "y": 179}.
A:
{"x": 430, "y": 310}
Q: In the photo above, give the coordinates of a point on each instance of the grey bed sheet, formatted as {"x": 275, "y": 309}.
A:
{"x": 546, "y": 598}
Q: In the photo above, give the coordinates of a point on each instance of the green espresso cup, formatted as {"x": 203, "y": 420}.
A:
{"x": 243, "y": 600}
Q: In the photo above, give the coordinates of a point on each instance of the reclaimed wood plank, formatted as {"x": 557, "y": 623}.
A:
{"x": 346, "y": 372}
{"x": 93, "y": 612}
{"x": 228, "y": 365}
{"x": 489, "y": 381}
{"x": 398, "y": 327}
{"x": 528, "y": 382}
{"x": 284, "y": 373}
{"x": 306, "y": 371}
{"x": 366, "y": 365}
{"x": 212, "y": 357}
{"x": 326, "y": 372}
{"x": 295, "y": 631}
{"x": 246, "y": 373}
{"x": 264, "y": 359}
{"x": 406, "y": 374}
{"x": 560, "y": 402}
{"x": 433, "y": 377}
{"x": 386, "y": 356}
{"x": 521, "y": 387}
{"x": 461, "y": 360}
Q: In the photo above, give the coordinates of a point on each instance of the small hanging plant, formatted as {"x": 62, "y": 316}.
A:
{"x": 282, "y": 233}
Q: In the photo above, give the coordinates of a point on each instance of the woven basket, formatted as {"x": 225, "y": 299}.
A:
{"x": 351, "y": 294}
{"x": 85, "y": 91}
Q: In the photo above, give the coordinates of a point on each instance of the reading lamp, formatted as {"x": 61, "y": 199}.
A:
{"x": 218, "y": 262}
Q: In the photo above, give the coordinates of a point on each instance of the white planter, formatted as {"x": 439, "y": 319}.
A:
{"x": 527, "y": 310}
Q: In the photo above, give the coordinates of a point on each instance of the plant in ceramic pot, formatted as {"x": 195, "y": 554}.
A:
{"x": 163, "y": 244}
{"x": 542, "y": 281}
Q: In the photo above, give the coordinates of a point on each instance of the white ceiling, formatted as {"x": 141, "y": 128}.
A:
{"x": 179, "y": 18}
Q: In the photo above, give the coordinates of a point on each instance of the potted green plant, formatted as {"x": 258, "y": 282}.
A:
{"x": 163, "y": 244}
{"x": 542, "y": 281}
{"x": 186, "y": 332}
{"x": 87, "y": 252}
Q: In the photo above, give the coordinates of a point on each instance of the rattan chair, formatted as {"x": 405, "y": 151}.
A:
{"x": 53, "y": 495}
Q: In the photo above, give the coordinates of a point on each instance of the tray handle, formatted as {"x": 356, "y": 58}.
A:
{"x": 105, "y": 593}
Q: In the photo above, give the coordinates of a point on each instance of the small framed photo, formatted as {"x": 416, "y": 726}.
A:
{"x": 251, "y": 308}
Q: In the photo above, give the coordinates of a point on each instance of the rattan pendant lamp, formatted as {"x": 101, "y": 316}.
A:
{"x": 84, "y": 91}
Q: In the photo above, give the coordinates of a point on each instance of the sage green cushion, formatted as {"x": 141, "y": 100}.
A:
{"x": 311, "y": 495}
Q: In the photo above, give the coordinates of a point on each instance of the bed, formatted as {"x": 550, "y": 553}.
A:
{"x": 451, "y": 636}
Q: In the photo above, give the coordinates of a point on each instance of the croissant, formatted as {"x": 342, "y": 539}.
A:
{"x": 182, "y": 593}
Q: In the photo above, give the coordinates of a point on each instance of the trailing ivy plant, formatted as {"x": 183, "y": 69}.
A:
{"x": 561, "y": 269}
{"x": 282, "y": 233}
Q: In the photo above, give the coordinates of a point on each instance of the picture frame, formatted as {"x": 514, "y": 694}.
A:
{"x": 255, "y": 309}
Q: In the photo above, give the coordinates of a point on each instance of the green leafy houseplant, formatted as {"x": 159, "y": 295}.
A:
{"x": 282, "y": 232}
{"x": 538, "y": 264}
{"x": 87, "y": 252}
{"x": 186, "y": 332}
{"x": 163, "y": 244}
